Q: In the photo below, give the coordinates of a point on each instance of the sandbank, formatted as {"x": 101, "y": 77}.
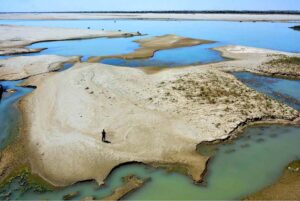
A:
{"x": 21, "y": 67}
{"x": 15, "y": 38}
{"x": 148, "y": 46}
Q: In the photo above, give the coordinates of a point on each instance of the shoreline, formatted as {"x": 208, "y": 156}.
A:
{"x": 153, "y": 16}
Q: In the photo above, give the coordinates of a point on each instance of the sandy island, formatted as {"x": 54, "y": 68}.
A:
{"x": 148, "y": 46}
{"x": 156, "y": 119}
{"x": 15, "y": 38}
{"x": 152, "y": 16}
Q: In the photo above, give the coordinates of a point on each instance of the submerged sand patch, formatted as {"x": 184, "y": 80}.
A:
{"x": 286, "y": 188}
{"x": 148, "y": 46}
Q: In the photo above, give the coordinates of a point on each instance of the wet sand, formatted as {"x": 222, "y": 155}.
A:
{"x": 131, "y": 183}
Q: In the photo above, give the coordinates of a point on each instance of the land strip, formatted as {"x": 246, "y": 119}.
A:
{"x": 152, "y": 16}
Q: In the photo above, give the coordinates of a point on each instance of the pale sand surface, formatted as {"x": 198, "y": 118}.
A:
{"x": 157, "y": 118}
{"x": 17, "y": 68}
{"x": 242, "y": 58}
{"x": 148, "y": 46}
{"x": 15, "y": 38}
{"x": 150, "y": 16}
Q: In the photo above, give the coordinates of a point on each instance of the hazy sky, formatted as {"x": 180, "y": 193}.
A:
{"x": 104, "y": 5}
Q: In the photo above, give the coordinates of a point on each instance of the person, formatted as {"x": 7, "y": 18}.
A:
{"x": 1, "y": 91}
{"x": 103, "y": 136}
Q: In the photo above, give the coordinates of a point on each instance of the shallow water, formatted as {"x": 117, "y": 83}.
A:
{"x": 251, "y": 162}
{"x": 9, "y": 115}
{"x": 246, "y": 33}
{"x": 286, "y": 91}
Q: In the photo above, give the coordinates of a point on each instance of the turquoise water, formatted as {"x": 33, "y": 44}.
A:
{"x": 286, "y": 91}
{"x": 224, "y": 33}
{"x": 251, "y": 162}
{"x": 9, "y": 115}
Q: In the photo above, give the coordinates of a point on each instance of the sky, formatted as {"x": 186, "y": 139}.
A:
{"x": 130, "y": 5}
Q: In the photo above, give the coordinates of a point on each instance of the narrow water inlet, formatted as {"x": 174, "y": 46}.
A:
{"x": 283, "y": 90}
{"x": 9, "y": 114}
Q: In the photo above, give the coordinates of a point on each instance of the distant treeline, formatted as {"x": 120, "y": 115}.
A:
{"x": 290, "y": 12}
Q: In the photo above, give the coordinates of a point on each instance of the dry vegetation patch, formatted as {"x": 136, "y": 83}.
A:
{"x": 282, "y": 65}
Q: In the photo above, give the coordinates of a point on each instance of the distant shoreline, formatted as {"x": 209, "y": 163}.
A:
{"x": 239, "y": 16}
{"x": 270, "y": 12}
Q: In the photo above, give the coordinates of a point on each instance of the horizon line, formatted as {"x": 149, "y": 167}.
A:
{"x": 171, "y": 11}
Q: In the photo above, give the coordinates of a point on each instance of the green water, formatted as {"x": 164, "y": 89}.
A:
{"x": 251, "y": 162}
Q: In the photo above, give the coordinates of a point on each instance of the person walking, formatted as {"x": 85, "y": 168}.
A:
{"x": 103, "y": 136}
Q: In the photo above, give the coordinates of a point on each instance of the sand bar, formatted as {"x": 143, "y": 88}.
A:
{"x": 148, "y": 46}
{"x": 151, "y": 16}
{"x": 17, "y": 68}
{"x": 15, "y": 38}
